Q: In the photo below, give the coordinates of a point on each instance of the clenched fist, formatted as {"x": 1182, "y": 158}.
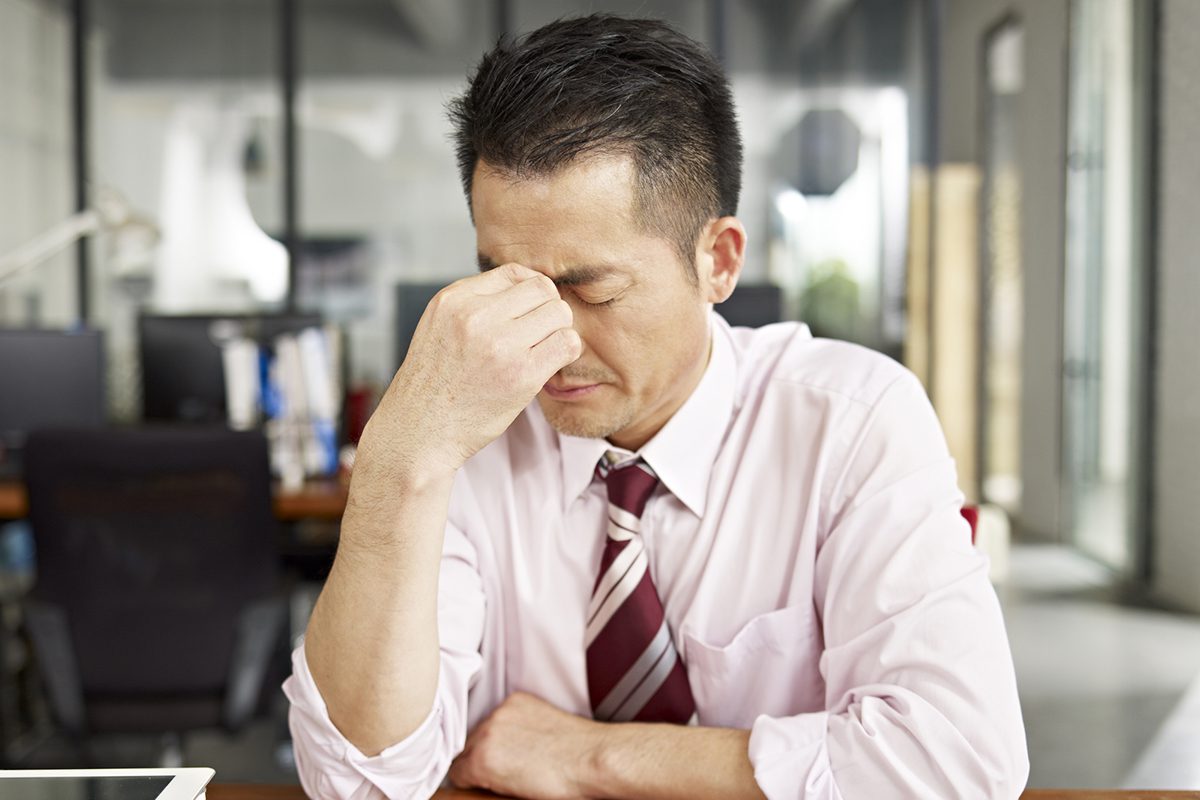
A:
{"x": 482, "y": 351}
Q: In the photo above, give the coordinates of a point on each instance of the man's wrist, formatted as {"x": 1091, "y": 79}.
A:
{"x": 633, "y": 759}
{"x": 398, "y": 462}
{"x": 387, "y": 489}
{"x": 600, "y": 764}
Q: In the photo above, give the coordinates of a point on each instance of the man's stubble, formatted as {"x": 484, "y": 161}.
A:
{"x": 588, "y": 424}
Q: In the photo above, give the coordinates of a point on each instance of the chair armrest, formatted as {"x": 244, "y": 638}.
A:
{"x": 57, "y": 665}
{"x": 259, "y": 628}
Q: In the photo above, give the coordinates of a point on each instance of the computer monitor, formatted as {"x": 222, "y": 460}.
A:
{"x": 411, "y": 300}
{"x": 48, "y": 378}
{"x": 183, "y": 376}
{"x": 753, "y": 305}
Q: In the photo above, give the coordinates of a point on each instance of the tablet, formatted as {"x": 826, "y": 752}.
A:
{"x": 104, "y": 784}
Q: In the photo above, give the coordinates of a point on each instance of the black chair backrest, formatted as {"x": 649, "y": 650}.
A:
{"x": 753, "y": 305}
{"x": 151, "y": 542}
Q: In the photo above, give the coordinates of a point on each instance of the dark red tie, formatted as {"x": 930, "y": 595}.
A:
{"x": 634, "y": 672}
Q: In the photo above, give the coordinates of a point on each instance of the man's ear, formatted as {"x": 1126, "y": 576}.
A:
{"x": 721, "y": 251}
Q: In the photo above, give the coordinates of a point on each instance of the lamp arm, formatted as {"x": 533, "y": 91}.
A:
{"x": 46, "y": 244}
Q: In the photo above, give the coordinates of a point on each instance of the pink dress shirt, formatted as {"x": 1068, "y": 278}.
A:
{"x": 816, "y": 574}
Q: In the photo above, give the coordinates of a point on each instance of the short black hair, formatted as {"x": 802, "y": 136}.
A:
{"x": 603, "y": 84}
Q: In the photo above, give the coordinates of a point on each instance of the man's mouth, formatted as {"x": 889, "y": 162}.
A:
{"x": 569, "y": 391}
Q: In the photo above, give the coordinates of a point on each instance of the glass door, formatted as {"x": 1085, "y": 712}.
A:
{"x": 1105, "y": 275}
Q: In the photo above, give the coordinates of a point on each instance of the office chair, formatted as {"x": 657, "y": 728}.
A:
{"x": 753, "y": 305}
{"x": 155, "y": 608}
{"x": 971, "y": 515}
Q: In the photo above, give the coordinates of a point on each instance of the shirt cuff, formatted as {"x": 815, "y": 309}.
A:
{"x": 791, "y": 758}
{"x": 331, "y": 766}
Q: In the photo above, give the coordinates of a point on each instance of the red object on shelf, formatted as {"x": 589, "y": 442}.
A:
{"x": 357, "y": 411}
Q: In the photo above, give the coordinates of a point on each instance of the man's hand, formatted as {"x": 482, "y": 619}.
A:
{"x": 528, "y": 748}
{"x": 482, "y": 351}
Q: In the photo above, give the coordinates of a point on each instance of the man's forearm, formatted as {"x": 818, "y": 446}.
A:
{"x": 529, "y": 748}
{"x": 372, "y": 642}
{"x": 655, "y": 762}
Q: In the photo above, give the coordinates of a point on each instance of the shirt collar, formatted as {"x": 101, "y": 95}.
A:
{"x": 683, "y": 452}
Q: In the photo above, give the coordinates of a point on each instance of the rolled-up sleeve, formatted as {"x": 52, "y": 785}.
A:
{"x": 331, "y": 767}
{"x": 921, "y": 697}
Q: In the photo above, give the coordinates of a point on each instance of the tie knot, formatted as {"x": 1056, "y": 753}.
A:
{"x": 630, "y": 483}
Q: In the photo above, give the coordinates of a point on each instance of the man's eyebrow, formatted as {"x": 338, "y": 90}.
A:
{"x": 583, "y": 275}
{"x": 575, "y": 276}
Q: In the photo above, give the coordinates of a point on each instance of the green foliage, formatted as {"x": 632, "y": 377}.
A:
{"x": 829, "y": 303}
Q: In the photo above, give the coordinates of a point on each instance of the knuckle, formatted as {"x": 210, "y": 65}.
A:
{"x": 494, "y": 349}
{"x": 563, "y": 310}
{"x": 546, "y": 285}
{"x": 572, "y": 342}
{"x": 513, "y": 271}
{"x": 472, "y": 323}
{"x": 462, "y": 325}
{"x": 442, "y": 300}
{"x": 487, "y": 759}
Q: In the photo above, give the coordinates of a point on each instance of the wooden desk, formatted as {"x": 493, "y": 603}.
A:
{"x": 233, "y": 791}
{"x": 316, "y": 500}
{"x": 324, "y": 499}
{"x": 247, "y": 791}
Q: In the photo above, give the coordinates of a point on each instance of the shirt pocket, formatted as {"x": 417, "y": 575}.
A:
{"x": 769, "y": 667}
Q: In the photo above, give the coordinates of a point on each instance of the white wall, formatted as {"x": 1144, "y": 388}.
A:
{"x": 1177, "y": 416}
{"x": 35, "y": 156}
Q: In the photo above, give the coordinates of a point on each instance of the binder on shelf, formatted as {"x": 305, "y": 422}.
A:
{"x": 294, "y": 389}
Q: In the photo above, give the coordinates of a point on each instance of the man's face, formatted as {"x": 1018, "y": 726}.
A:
{"x": 644, "y": 325}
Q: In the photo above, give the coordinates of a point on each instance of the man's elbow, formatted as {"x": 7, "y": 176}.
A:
{"x": 1002, "y": 766}
{"x": 1013, "y": 772}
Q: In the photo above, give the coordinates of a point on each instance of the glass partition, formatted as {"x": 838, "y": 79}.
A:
{"x": 1107, "y": 266}
{"x": 380, "y": 200}
{"x": 185, "y": 130}
{"x": 37, "y": 194}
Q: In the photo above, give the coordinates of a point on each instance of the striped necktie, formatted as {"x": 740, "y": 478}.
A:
{"x": 634, "y": 672}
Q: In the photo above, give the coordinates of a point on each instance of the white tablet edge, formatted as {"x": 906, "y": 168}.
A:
{"x": 187, "y": 783}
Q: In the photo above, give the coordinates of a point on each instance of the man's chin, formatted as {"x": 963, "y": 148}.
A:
{"x": 571, "y": 420}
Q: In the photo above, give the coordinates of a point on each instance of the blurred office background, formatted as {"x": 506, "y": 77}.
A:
{"x": 1002, "y": 194}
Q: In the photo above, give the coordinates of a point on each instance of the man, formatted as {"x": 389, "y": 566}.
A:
{"x": 706, "y": 562}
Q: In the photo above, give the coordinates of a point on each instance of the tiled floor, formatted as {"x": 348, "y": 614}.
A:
{"x": 1102, "y": 688}
{"x": 1097, "y": 679}
{"x": 1172, "y": 760}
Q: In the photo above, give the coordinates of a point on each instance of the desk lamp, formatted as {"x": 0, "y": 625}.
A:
{"x": 135, "y": 236}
